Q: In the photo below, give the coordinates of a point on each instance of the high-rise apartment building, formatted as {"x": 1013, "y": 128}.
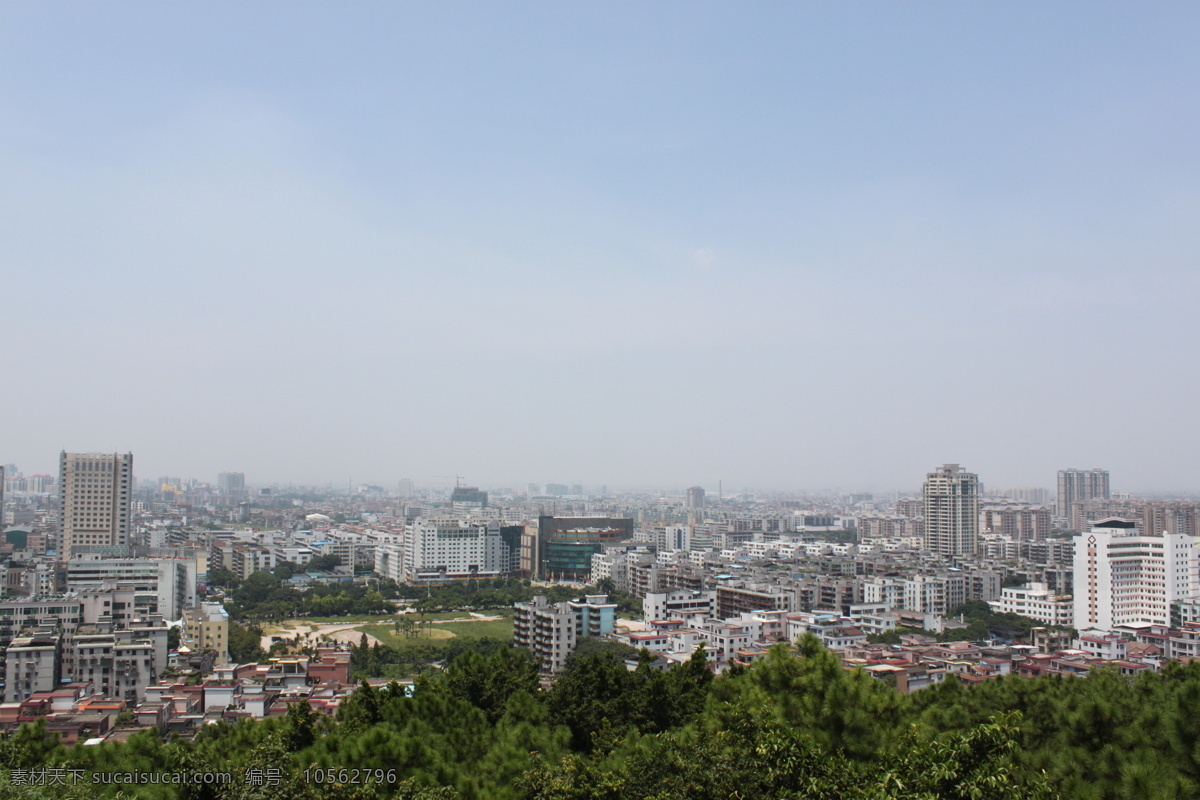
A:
{"x": 1032, "y": 495}
{"x": 551, "y": 630}
{"x": 547, "y": 630}
{"x": 695, "y": 505}
{"x": 951, "y": 504}
{"x": 95, "y": 490}
{"x": 231, "y": 488}
{"x": 231, "y": 481}
{"x": 1017, "y": 522}
{"x": 1078, "y": 486}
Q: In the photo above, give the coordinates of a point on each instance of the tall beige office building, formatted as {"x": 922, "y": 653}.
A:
{"x": 95, "y": 490}
{"x": 952, "y": 511}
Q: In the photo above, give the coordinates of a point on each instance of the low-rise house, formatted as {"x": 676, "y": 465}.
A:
{"x": 655, "y": 642}
{"x": 1109, "y": 647}
{"x": 153, "y": 715}
{"x": 220, "y": 694}
{"x": 73, "y": 728}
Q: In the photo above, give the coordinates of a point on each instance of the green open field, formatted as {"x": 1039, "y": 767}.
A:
{"x": 443, "y": 632}
{"x": 390, "y": 617}
{"x": 335, "y": 620}
{"x": 451, "y": 615}
{"x": 311, "y": 623}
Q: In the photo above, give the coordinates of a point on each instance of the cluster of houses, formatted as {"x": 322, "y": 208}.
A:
{"x": 918, "y": 661}
{"x": 78, "y": 713}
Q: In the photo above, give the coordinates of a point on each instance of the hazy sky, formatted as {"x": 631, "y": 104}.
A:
{"x": 803, "y": 245}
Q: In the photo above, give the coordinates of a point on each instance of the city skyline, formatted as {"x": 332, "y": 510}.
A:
{"x": 238, "y": 483}
{"x": 782, "y": 246}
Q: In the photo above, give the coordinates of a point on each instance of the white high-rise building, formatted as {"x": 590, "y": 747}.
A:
{"x": 1125, "y": 579}
{"x": 951, "y": 504}
{"x": 446, "y": 549}
{"x": 95, "y": 490}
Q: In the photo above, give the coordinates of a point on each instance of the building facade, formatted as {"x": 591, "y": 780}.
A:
{"x": 453, "y": 549}
{"x": 548, "y": 630}
{"x": 1036, "y": 601}
{"x": 679, "y": 604}
{"x": 1078, "y": 486}
{"x": 163, "y": 586}
{"x": 695, "y": 504}
{"x": 206, "y": 627}
{"x": 1019, "y": 523}
{"x": 1124, "y": 579}
{"x": 389, "y": 562}
{"x": 951, "y": 505}
{"x": 95, "y": 490}
{"x": 551, "y": 630}
{"x": 32, "y": 664}
{"x": 565, "y": 545}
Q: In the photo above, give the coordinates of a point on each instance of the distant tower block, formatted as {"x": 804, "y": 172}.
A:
{"x": 95, "y": 491}
{"x": 951, "y": 496}
{"x": 695, "y": 505}
{"x": 1077, "y": 486}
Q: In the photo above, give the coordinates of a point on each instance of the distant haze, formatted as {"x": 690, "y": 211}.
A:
{"x": 777, "y": 244}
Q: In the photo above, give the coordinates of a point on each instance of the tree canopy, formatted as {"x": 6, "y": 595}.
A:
{"x": 792, "y": 725}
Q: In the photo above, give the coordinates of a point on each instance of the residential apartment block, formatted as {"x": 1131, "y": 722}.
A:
{"x": 1076, "y": 486}
{"x": 547, "y": 630}
{"x": 32, "y": 664}
{"x": 951, "y": 503}
{"x": 551, "y": 630}
{"x": 680, "y": 604}
{"x": 206, "y": 627}
{"x": 1019, "y": 523}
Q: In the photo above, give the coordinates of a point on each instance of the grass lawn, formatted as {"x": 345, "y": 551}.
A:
{"x": 441, "y": 633}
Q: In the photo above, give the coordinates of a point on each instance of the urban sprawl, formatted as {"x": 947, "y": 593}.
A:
{"x": 116, "y": 609}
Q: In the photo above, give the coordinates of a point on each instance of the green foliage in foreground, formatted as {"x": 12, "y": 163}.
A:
{"x": 787, "y": 727}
